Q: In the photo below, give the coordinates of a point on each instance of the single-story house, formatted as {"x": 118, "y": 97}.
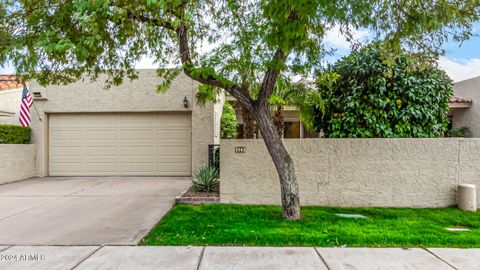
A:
{"x": 464, "y": 112}
{"x": 83, "y": 129}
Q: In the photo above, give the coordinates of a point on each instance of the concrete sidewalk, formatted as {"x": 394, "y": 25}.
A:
{"x": 289, "y": 258}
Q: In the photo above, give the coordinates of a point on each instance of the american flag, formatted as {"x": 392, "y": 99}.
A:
{"x": 27, "y": 102}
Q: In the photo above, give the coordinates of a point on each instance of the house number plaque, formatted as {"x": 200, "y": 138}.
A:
{"x": 240, "y": 149}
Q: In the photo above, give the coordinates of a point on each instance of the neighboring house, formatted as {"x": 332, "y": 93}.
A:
{"x": 10, "y": 95}
{"x": 125, "y": 130}
{"x": 466, "y": 109}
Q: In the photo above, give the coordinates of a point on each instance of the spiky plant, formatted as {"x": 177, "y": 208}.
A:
{"x": 206, "y": 180}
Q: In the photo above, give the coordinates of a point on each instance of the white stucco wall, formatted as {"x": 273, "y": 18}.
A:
{"x": 10, "y": 103}
{"x": 136, "y": 96}
{"x": 16, "y": 162}
{"x": 354, "y": 172}
{"x": 468, "y": 117}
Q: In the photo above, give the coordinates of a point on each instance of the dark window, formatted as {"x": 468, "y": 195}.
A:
{"x": 292, "y": 130}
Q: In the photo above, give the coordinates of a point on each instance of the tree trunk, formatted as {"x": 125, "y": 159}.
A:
{"x": 249, "y": 128}
{"x": 279, "y": 121}
{"x": 283, "y": 164}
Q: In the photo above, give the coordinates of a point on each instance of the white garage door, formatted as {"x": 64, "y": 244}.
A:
{"x": 156, "y": 144}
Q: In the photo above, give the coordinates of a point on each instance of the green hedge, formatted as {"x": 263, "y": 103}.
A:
{"x": 11, "y": 134}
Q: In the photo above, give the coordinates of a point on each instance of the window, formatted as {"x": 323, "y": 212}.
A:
{"x": 292, "y": 130}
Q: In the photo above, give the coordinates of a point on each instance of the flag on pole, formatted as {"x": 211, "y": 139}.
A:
{"x": 27, "y": 102}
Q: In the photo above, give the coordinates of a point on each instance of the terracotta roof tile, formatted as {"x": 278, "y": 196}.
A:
{"x": 8, "y": 82}
{"x": 456, "y": 99}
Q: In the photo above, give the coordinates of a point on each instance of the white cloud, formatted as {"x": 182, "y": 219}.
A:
{"x": 335, "y": 39}
{"x": 8, "y": 69}
{"x": 460, "y": 69}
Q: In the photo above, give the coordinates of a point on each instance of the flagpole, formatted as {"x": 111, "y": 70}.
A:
{"x": 39, "y": 118}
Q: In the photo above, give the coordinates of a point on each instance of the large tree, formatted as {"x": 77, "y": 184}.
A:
{"x": 233, "y": 45}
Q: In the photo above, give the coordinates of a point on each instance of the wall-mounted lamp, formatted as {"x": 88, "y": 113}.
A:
{"x": 185, "y": 102}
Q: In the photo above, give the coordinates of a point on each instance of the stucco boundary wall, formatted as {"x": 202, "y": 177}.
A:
{"x": 354, "y": 172}
{"x": 17, "y": 162}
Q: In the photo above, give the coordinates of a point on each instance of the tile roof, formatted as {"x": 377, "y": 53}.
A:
{"x": 8, "y": 82}
{"x": 456, "y": 99}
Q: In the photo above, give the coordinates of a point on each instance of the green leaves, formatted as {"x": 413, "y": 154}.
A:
{"x": 228, "y": 122}
{"x": 372, "y": 97}
{"x": 12, "y": 134}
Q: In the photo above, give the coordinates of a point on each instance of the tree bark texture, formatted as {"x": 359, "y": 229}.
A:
{"x": 283, "y": 163}
{"x": 249, "y": 127}
{"x": 279, "y": 121}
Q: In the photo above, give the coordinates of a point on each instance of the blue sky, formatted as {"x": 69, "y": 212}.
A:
{"x": 461, "y": 61}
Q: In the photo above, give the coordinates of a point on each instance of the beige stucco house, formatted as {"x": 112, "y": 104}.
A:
{"x": 83, "y": 129}
{"x": 466, "y": 109}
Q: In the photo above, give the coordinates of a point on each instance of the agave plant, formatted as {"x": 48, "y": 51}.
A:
{"x": 206, "y": 180}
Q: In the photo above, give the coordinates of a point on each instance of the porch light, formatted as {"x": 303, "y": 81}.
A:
{"x": 185, "y": 102}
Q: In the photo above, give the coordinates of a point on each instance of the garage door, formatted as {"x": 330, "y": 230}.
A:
{"x": 156, "y": 144}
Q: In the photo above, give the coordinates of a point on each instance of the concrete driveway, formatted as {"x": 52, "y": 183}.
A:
{"x": 84, "y": 210}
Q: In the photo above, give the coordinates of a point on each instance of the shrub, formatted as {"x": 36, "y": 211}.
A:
{"x": 206, "y": 180}
{"x": 228, "y": 122}
{"x": 12, "y": 134}
{"x": 457, "y": 132}
{"x": 378, "y": 94}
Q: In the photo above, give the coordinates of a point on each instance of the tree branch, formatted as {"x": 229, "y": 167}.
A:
{"x": 242, "y": 95}
{"x": 154, "y": 21}
{"x": 271, "y": 75}
{"x": 270, "y": 78}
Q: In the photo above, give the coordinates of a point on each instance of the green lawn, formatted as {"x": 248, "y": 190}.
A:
{"x": 223, "y": 224}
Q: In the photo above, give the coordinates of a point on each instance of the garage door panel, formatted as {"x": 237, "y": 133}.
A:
{"x": 66, "y": 120}
{"x": 59, "y": 134}
{"x": 101, "y": 167}
{"x": 177, "y": 159}
{"x": 137, "y": 151}
{"x": 120, "y": 144}
{"x": 66, "y": 151}
{"x": 61, "y": 143}
{"x": 67, "y": 167}
{"x": 146, "y": 134}
{"x": 172, "y": 142}
{"x": 134, "y": 143}
{"x": 108, "y": 151}
{"x": 137, "y": 120}
{"x": 70, "y": 159}
{"x": 103, "y": 143}
{"x": 101, "y": 134}
{"x": 173, "y": 151}
{"x": 138, "y": 167}
{"x": 173, "y": 134}
{"x": 99, "y": 120}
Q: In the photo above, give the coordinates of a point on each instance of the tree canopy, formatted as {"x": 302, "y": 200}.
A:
{"x": 224, "y": 43}
{"x": 372, "y": 97}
